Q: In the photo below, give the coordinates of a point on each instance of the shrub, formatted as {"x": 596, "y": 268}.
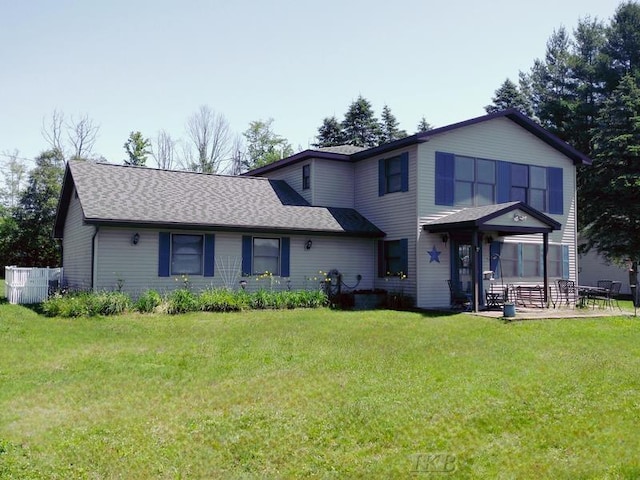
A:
{"x": 148, "y": 301}
{"x": 181, "y": 301}
{"x": 69, "y": 305}
{"x": 108, "y": 303}
{"x": 222, "y": 300}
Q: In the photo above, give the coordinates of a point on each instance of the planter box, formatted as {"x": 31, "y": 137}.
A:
{"x": 368, "y": 301}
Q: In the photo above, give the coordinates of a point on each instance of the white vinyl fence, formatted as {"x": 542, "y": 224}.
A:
{"x": 30, "y": 285}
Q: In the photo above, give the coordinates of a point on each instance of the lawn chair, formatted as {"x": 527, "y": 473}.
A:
{"x": 460, "y": 300}
{"x": 567, "y": 293}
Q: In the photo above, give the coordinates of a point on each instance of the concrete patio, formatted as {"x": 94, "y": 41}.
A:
{"x": 524, "y": 313}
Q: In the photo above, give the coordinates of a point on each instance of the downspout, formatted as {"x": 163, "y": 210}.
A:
{"x": 93, "y": 256}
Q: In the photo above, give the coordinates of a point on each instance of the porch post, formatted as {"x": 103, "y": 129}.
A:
{"x": 545, "y": 269}
{"x": 474, "y": 271}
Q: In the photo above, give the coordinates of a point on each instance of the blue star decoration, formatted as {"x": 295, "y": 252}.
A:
{"x": 434, "y": 254}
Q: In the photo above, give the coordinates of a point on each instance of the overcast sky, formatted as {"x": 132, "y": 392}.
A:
{"x": 148, "y": 65}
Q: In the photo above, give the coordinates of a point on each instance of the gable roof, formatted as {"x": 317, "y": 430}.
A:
{"x": 480, "y": 218}
{"x": 122, "y": 195}
{"x": 354, "y": 156}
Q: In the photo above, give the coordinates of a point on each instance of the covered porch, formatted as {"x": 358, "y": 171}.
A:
{"x": 473, "y": 230}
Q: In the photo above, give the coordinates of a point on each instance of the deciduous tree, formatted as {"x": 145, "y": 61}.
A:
{"x": 264, "y": 146}
{"x": 208, "y": 141}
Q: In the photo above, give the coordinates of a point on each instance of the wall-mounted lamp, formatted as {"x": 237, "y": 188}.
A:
{"x": 445, "y": 238}
{"x": 307, "y": 245}
{"x": 489, "y": 239}
{"x": 135, "y": 239}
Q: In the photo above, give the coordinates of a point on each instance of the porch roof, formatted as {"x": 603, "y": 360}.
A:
{"x": 512, "y": 218}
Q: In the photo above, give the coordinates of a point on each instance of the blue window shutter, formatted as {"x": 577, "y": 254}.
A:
{"x": 209, "y": 254}
{"x": 565, "y": 261}
{"x": 494, "y": 255}
{"x": 285, "y": 257}
{"x": 247, "y": 250}
{"x": 554, "y": 177}
{"x": 444, "y": 178}
{"x": 381, "y": 272}
{"x": 164, "y": 254}
{"x": 382, "y": 177}
{"x": 503, "y": 182}
{"x": 404, "y": 169}
{"x": 404, "y": 249}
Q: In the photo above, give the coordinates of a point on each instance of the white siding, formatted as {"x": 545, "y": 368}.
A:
{"x": 499, "y": 139}
{"x": 331, "y": 182}
{"x": 137, "y": 265}
{"x": 393, "y": 213}
{"x": 76, "y": 247}
{"x": 293, "y": 176}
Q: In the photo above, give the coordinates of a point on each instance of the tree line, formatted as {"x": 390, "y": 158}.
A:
{"x": 586, "y": 90}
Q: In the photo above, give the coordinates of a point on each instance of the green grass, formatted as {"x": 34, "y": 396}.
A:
{"x": 317, "y": 394}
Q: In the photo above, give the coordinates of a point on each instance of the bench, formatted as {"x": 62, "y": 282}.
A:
{"x": 530, "y": 296}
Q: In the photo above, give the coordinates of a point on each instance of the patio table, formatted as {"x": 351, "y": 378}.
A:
{"x": 587, "y": 291}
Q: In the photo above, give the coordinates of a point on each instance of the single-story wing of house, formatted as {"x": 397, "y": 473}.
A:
{"x": 497, "y": 193}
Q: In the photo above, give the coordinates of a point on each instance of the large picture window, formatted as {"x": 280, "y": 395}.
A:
{"x": 266, "y": 256}
{"x": 525, "y": 260}
{"x": 186, "y": 254}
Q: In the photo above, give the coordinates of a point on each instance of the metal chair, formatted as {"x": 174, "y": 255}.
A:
{"x": 604, "y": 295}
{"x": 459, "y": 298}
{"x": 567, "y": 293}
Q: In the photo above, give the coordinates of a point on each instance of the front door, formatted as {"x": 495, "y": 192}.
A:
{"x": 461, "y": 267}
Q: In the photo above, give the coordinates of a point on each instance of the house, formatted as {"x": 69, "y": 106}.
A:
{"x": 496, "y": 193}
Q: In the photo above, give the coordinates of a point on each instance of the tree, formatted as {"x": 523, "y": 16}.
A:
{"x": 330, "y": 133}
{"x": 423, "y": 125}
{"x": 389, "y": 130}
{"x": 612, "y": 214}
{"x": 137, "y": 148}
{"x": 14, "y": 176}
{"x": 28, "y": 239}
{"x": 208, "y": 133}
{"x": 623, "y": 43}
{"x": 80, "y": 135}
{"x": 238, "y": 155}
{"x": 551, "y": 85}
{"x": 164, "y": 151}
{"x": 264, "y": 146}
{"x": 360, "y": 126}
{"x": 509, "y": 96}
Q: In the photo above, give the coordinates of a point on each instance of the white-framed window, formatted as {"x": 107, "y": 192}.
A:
{"x": 186, "y": 254}
{"x": 266, "y": 255}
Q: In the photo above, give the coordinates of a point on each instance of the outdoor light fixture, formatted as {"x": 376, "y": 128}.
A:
{"x": 308, "y": 245}
{"x": 445, "y": 238}
{"x": 136, "y": 238}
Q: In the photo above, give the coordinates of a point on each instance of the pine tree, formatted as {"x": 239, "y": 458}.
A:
{"x": 137, "y": 148}
{"x": 360, "y": 126}
{"x": 330, "y": 133}
{"x": 389, "y": 130}
{"x": 423, "y": 126}
{"x": 509, "y": 96}
{"x": 610, "y": 208}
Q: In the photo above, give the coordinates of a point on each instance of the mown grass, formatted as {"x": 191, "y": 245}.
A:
{"x": 317, "y": 394}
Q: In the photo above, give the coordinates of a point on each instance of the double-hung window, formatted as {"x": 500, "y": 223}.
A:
{"x": 475, "y": 181}
{"x": 266, "y": 255}
{"x": 186, "y": 254}
{"x": 393, "y": 258}
{"x": 393, "y": 174}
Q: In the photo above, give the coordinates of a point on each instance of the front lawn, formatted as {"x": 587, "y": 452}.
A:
{"x": 317, "y": 393}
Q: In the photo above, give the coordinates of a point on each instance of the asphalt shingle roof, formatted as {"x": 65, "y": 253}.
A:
{"x": 120, "y": 194}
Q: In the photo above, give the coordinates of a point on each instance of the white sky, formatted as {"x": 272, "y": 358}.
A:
{"x": 148, "y": 65}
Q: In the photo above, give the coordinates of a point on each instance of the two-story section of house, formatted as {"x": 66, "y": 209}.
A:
{"x": 494, "y": 194}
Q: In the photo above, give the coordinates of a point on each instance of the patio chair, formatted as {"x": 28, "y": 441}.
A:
{"x": 567, "y": 293}
{"x": 496, "y": 296}
{"x": 613, "y": 294}
{"x": 608, "y": 295}
{"x": 460, "y": 300}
